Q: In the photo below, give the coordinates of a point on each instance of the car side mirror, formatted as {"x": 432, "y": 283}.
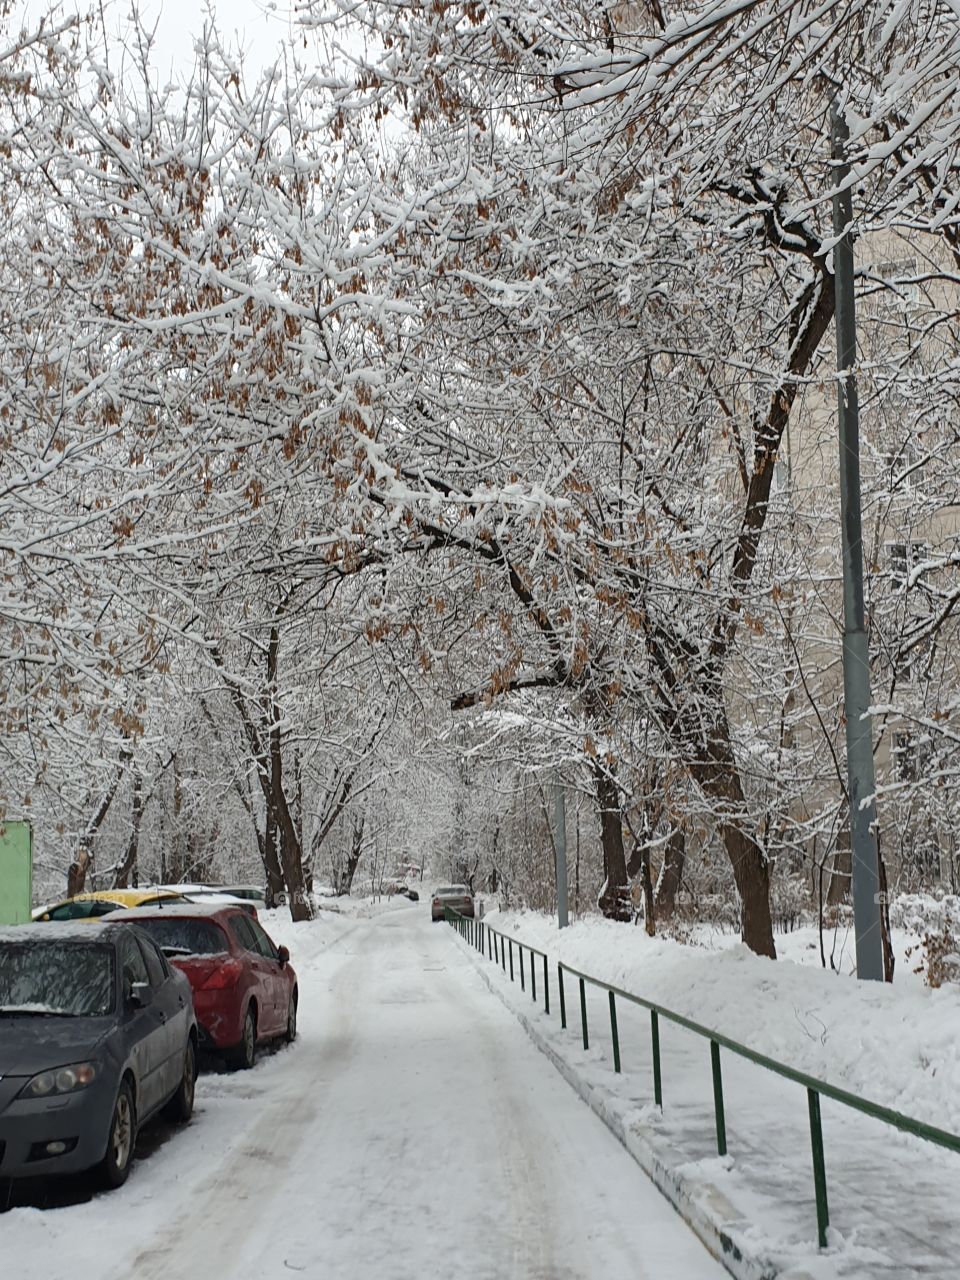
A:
{"x": 283, "y": 955}
{"x": 140, "y": 994}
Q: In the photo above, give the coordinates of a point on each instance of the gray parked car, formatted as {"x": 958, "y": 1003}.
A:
{"x": 97, "y": 1034}
{"x": 455, "y": 896}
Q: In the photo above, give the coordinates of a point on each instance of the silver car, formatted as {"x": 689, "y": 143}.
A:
{"x": 455, "y": 896}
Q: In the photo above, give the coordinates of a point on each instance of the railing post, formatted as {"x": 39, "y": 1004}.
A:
{"x": 546, "y": 986}
{"x": 819, "y": 1168}
{"x": 489, "y": 933}
{"x": 523, "y": 980}
{"x": 583, "y": 1012}
{"x": 614, "y": 1034}
{"x": 496, "y": 951}
{"x": 510, "y": 940}
{"x": 718, "y": 1098}
{"x": 503, "y": 954}
{"x": 655, "y": 1049}
{"x": 563, "y": 1003}
{"x": 533, "y": 977}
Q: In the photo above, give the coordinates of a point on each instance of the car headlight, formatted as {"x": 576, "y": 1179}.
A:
{"x": 50, "y": 1084}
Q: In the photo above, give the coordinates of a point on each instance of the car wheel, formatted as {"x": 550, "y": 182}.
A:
{"x": 180, "y": 1107}
{"x": 291, "y": 1032}
{"x": 115, "y": 1167}
{"x": 245, "y": 1055}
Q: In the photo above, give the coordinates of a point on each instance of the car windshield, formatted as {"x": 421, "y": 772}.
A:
{"x": 180, "y": 936}
{"x": 74, "y": 979}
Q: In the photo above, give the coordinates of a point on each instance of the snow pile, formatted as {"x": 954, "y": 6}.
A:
{"x": 898, "y": 1046}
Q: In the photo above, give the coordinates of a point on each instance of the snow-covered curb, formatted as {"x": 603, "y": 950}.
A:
{"x": 701, "y": 1204}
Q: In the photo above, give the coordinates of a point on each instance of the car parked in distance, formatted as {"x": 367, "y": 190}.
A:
{"x": 97, "y": 1035}
{"x": 91, "y": 906}
{"x": 244, "y": 987}
{"x": 455, "y": 896}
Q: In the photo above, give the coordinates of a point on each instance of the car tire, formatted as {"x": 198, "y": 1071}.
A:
{"x": 291, "y": 1032}
{"x": 122, "y": 1140}
{"x": 180, "y": 1107}
{"x": 245, "y": 1054}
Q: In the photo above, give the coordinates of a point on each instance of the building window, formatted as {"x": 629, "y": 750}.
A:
{"x": 898, "y": 465}
{"x": 912, "y": 757}
{"x": 899, "y": 292}
{"x": 903, "y": 558}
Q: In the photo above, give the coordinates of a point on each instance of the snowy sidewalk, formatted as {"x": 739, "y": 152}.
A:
{"x": 412, "y": 1131}
{"x": 892, "y": 1197}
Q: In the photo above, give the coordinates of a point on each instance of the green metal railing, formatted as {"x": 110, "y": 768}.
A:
{"x": 491, "y": 942}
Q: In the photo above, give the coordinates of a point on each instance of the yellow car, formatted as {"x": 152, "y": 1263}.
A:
{"x": 89, "y": 906}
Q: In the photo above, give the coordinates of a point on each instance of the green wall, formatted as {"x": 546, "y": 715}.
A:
{"x": 16, "y": 872}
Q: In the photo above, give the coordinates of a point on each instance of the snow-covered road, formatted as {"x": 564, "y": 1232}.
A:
{"x": 413, "y": 1130}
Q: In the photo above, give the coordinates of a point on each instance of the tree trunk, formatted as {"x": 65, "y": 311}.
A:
{"x": 77, "y": 872}
{"x": 751, "y": 874}
{"x": 649, "y": 909}
{"x": 714, "y": 768}
{"x": 128, "y": 865}
{"x": 353, "y": 859}
{"x": 291, "y": 851}
{"x": 841, "y": 869}
{"x": 271, "y": 858}
{"x": 178, "y": 865}
{"x": 886, "y": 938}
{"x": 671, "y": 874}
{"x": 613, "y": 901}
{"x": 291, "y": 855}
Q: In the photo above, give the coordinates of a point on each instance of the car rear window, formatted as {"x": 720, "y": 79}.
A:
{"x": 454, "y": 891}
{"x": 50, "y": 977}
{"x": 185, "y": 937}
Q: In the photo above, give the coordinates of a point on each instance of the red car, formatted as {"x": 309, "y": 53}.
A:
{"x": 244, "y": 987}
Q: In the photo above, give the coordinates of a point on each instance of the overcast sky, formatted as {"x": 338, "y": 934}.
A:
{"x": 255, "y": 26}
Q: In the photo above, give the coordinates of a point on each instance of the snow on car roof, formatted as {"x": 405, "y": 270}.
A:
{"x": 188, "y": 910}
{"x": 39, "y": 933}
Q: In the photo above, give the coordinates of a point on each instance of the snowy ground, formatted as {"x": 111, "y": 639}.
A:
{"x": 892, "y": 1198}
{"x": 412, "y": 1130}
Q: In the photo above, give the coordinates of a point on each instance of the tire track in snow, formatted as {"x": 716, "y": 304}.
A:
{"x": 211, "y": 1232}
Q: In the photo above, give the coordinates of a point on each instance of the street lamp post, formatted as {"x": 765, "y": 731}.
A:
{"x": 560, "y": 848}
{"x": 856, "y": 653}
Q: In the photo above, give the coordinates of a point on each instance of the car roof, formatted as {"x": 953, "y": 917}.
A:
{"x": 219, "y": 899}
{"x": 203, "y": 887}
{"x": 178, "y": 911}
{"x": 66, "y": 931}
{"x": 122, "y": 897}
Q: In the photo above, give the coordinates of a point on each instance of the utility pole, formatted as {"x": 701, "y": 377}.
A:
{"x": 560, "y": 846}
{"x": 861, "y": 784}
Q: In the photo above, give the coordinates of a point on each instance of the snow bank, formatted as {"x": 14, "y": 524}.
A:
{"x": 898, "y": 1046}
